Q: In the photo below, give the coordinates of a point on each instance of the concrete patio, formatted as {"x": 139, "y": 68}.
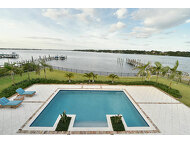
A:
{"x": 168, "y": 114}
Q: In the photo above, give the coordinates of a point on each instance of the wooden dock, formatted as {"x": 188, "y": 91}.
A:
{"x": 36, "y": 60}
{"x": 134, "y": 62}
{"x": 13, "y": 55}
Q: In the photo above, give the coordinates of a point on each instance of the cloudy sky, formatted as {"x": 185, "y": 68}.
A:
{"x": 67, "y": 29}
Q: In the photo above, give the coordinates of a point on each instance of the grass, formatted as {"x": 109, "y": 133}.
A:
{"x": 117, "y": 126}
{"x": 60, "y": 75}
{"x": 63, "y": 126}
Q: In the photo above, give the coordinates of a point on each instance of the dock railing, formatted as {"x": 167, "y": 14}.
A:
{"x": 95, "y": 72}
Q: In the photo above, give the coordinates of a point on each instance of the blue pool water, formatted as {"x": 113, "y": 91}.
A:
{"x": 90, "y": 107}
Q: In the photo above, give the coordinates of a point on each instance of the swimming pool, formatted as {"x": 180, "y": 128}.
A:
{"x": 90, "y": 107}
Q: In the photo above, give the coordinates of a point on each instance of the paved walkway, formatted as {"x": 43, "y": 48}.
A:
{"x": 168, "y": 114}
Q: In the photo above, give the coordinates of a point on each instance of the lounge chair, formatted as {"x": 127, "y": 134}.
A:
{"x": 20, "y": 91}
{"x": 4, "y": 102}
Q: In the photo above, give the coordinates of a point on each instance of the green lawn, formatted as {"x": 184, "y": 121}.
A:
{"x": 60, "y": 75}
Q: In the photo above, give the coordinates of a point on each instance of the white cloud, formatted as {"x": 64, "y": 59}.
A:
{"x": 121, "y": 13}
{"x": 143, "y": 32}
{"x": 188, "y": 21}
{"x": 87, "y": 14}
{"x": 55, "y": 13}
{"x": 117, "y": 26}
{"x": 160, "y": 19}
{"x": 83, "y": 14}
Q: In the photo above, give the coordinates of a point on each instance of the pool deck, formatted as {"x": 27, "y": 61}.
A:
{"x": 169, "y": 115}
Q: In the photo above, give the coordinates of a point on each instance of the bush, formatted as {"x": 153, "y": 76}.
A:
{"x": 63, "y": 126}
{"x": 7, "y": 92}
{"x": 117, "y": 123}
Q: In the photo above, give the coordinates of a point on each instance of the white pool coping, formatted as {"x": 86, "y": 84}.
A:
{"x": 72, "y": 128}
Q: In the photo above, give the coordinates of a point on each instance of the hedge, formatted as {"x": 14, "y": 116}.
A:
{"x": 7, "y": 92}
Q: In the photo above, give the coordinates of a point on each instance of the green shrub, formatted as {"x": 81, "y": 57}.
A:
{"x": 117, "y": 123}
{"x": 7, "y": 92}
{"x": 63, "y": 126}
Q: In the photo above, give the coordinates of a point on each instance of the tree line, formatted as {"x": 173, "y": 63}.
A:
{"x": 152, "y": 52}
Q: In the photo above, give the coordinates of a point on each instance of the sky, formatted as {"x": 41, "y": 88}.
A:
{"x": 117, "y": 29}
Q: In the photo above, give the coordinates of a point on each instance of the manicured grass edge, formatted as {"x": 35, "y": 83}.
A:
{"x": 63, "y": 127}
{"x": 117, "y": 126}
{"x": 11, "y": 90}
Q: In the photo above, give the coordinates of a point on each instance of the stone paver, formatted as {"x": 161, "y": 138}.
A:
{"x": 170, "y": 116}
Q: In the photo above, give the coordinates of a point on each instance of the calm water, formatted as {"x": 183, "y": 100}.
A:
{"x": 107, "y": 62}
{"x": 90, "y": 108}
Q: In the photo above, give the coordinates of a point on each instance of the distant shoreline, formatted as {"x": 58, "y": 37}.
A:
{"x": 153, "y": 52}
{"x": 30, "y": 49}
{"x": 143, "y": 52}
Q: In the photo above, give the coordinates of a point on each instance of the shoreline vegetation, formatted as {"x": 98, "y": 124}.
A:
{"x": 153, "y": 52}
{"x": 159, "y": 76}
{"x": 58, "y": 75}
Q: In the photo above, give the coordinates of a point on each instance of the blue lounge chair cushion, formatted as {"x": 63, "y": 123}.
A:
{"x": 4, "y": 101}
{"x": 15, "y": 102}
{"x": 22, "y": 92}
{"x": 29, "y": 92}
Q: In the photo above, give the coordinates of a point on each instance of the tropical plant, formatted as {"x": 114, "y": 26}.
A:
{"x": 117, "y": 118}
{"x": 157, "y": 69}
{"x": 28, "y": 67}
{"x": 69, "y": 76}
{"x": 94, "y": 76}
{"x": 37, "y": 68}
{"x": 19, "y": 70}
{"x": 63, "y": 117}
{"x": 113, "y": 76}
{"x": 165, "y": 71}
{"x": 179, "y": 75}
{"x": 144, "y": 70}
{"x": 173, "y": 73}
{"x": 3, "y": 71}
{"x": 44, "y": 65}
{"x": 88, "y": 75}
{"x": 13, "y": 69}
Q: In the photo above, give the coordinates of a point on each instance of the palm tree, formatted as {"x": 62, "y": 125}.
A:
{"x": 44, "y": 65}
{"x": 37, "y": 68}
{"x": 69, "y": 76}
{"x": 173, "y": 72}
{"x": 12, "y": 69}
{"x": 144, "y": 70}
{"x": 88, "y": 75}
{"x": 179, "y": 75}
{"x": 113, "y": 76}
{"x": 157, "y": 69}
{"x": 19, "y": 70}
{"x": 165, "y": 71}
{"x": 28, "y": 67}
{"x": 94, "y": 76}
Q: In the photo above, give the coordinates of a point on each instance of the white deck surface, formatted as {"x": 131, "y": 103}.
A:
{"x": 168, "y": 114}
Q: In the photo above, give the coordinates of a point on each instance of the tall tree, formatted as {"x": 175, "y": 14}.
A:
{"x": 94, "y": 76}
{"x": 113, "y": 76}
{"x": 69, "y": 76}
{"x": 179, "y": 75}
{"x": 13, "y": 69}
{"x": 28, "y": 67}
{"x": 144, "y": 70}
{"x": 165, "y": 71}
{"x": 88, "y": 75}
{"x": 173, "y": 72}
{"x": 157, "y": 69}
{"x": 44, "y": 66}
